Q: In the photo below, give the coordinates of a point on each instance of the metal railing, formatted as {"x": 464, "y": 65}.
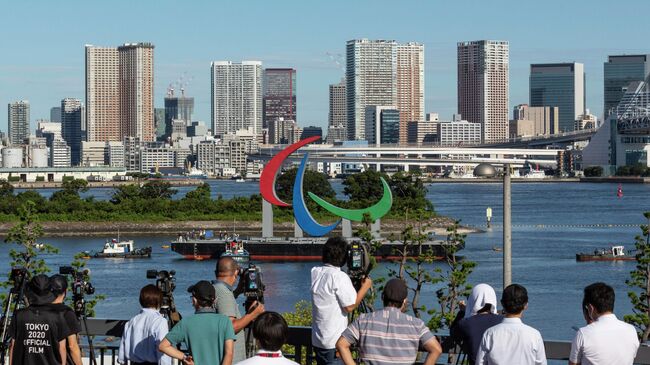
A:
{"x": 299, "y": 341}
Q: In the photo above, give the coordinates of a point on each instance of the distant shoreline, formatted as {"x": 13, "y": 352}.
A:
{"x": 254, "y": 228}
{"x": 104, "y": 184}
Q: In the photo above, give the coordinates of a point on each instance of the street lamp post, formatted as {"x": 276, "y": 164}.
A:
{"x": 487, "y": 170}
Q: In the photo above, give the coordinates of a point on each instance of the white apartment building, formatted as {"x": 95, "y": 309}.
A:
{"x": 236, "y": 97}
{"x": 60, "y": 153}
{"x": 459, "y": 132}
{"x": 212, "y": 157}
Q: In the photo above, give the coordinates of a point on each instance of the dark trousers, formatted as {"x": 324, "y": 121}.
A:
{"x": 327, "y": 357}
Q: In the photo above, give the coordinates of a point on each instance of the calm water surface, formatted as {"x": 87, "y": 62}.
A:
{"x": 549, "y": 228}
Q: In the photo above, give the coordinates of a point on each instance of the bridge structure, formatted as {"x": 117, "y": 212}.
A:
{"x": 559, "y": 139}
{"x": 421, "y": 156}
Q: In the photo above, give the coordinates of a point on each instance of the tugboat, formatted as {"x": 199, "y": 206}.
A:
{"x": 236, "y": 250}
{"x": 616, "y": 253}
{"x": 120, "y": 249}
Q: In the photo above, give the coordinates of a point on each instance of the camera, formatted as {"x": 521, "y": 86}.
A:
{"x": 166, "y": 282}
{"x": 358, "y": 262}
{"x": 17, "y": 276}
{"x": 251, "y": 285}
{"x": 80, "y": 287}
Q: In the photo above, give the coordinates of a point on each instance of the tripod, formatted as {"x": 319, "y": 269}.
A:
{"x": 168, "y": 310}
{"x": 80, "y": 311}
{"x": 248, "y": 305}
{"x": 16, "y": 298}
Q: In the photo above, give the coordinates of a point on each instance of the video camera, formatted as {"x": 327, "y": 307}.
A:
{"x": 80, "y": 287}
{"x": 253, "y": 287}
{"x": 16, "y": 298}
{"x": 18, "y": 277}
{"x": 166, "y": 282}
{"x": 358, "y": 262}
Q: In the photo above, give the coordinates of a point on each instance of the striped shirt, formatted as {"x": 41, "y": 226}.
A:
{"x": 388, "y": 336}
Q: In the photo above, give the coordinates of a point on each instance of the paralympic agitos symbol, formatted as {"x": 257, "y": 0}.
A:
{"x": 300, "y": 211}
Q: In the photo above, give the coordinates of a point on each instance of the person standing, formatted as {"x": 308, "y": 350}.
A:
{"x": 511, "y": 341}
{"x": 389, "y": 336}
{"x": 209, "y": 336}
{"x": 144, "y": 332}
{"x": 37, "y": 332}
{"x": 605, "y": 340}
{"x": 270, "y": 331}
{"x": 59, "y": 287}
{"x": 480, "y": 314}
{"x": 227, "y": 274}
{"x": 332, "y": 297}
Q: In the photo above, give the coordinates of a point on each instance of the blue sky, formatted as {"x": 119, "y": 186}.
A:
{"x": 42, "y": 42}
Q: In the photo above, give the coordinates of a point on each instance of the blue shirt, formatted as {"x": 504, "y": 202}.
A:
{"x": 142, "y": 335}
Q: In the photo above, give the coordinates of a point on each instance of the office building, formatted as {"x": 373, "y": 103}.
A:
{"x": 619, "y": 72}
{"x": 159, "y": 121}
{"x": 93, "y": 153}
{"x": 522, "y": 128}
{"x": 483, "y": 86}
{"x": 48, "y": 128}
{"x": 179, "y": 108}
{"x": 119, "y": 92}
{"x": 371, "y": 79}
{"x": 18, "y": 122}
{"x": 114, "y": 154}
{"x": 559, "y": 85}
{"x": 338, "y": 113}
{"x": 336, "y": 133}
{"x": 423, "y": 132}
{"x": 59, "y": 153}
{"x": 55, "y": 114}
{"x": 382, "y": 125}
{"x": 312, "y": 131}
{"x": 236, "y": 97}
{"x": 156, "y": 155}
{"x": 459, "y": 132}
{"x": 197, "y": 129}
{"x": 212, "y": 157}
{"x": 410, "y": 86}
{"x": 72, "y": 127}
{"x": 545, "y": 118}
{"x": 279, "y": 99}
{"x": 283, "y": 131}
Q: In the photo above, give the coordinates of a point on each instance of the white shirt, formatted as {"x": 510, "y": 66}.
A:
{"x": 142, "y": 335}
{"x": 606, "y": 341}
{"x": 261, "y": 360}
{"x": 511, "y": 342}
{"x": 331, "y": 291}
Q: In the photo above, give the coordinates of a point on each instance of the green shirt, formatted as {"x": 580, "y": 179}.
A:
{"x": 205, "y": 334}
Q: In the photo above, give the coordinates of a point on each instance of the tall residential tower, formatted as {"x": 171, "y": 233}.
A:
{"x": 18, "y": 121}
{"x": 279, "y": 100}
{"x": 371, "y": 77}
{"x": 410, "y": 86}
{"x": 236, "y": 97}
{"x": 119, "y": 92}
{"x": 338, "y": 113}
{"x": 483, "y": 86}
{"x": 72, "y": 127}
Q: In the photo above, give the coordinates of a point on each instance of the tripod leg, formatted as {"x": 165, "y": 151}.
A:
{"x": 91, "y": 349}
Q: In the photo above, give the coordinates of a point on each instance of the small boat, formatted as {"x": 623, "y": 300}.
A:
{"x": 120, "y": 249}
{"x": 240, "y": 180}
{"x": 616, "y": 253}
{"x": 235, "y": 249}
{"x": 165, "y": 246}
{"x": 497, "y": 248}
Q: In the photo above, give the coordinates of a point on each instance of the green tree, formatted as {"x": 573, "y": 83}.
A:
{"x": 639, "y": 283}
{"x": 313, "y": 181}
{"x": 593, "y": 171}
{"x": 6, "y": 189}
{"x": 125, "y": 192}
{"x": 25, "y": 234}
{"x": 201, "y": 193}
{"x": 157, "y": 189}
{"x": 365, "y": 186}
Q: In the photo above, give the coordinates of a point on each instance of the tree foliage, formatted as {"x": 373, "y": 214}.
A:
{"x": 593, "y": 171}
{"x": 639, "y": 283}
{"x": 313, "y": 181}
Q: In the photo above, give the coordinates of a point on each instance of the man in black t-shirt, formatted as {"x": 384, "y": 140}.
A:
{"x": 59, "y": 286}
{"x": 37, "y": 332}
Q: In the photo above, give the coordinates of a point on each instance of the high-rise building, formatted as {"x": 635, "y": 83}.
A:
{"x": 545, "y": 119}
{"x": 236, "y": 97}
{"x": 279, "y": 100}
{"x": 483, "y": 85}
{"x": 338, "y": 114}
{"x": 180, "y": 108}
{"x": 283, "y": 131}
{"x": 620, "y": 71}
{"x": 382, "y": 125}
{"x": 55, "y": 114}
{"x": 72, "y": 127}
{"x": 18, "y": 121}
{"x": 336, "y": 133}
{"x": 159, "y": 121}
{"x": 410, "y": 86}
{"x": 561, "y": 85}
{"x": 119, "y": 92}
{"x": 371, "y": 79}
{"x": 312, "y": 131}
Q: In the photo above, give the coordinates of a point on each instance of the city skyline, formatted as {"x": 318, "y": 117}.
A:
{"x": 27, "y": 74}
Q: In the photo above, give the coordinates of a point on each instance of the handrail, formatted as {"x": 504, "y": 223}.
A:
{"x": 300, "y": 340}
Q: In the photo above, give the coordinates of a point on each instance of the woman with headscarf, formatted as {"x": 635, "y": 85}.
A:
{"x": 480, "y": 314}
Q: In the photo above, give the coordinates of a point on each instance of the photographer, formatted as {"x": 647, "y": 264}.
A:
{"x": 227, "y": 273}
{"x": 37, "y": 332}
{"x": 333, "y": 296}
{"x": 59, "y": 287}
{"x": 144, "y": 332}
